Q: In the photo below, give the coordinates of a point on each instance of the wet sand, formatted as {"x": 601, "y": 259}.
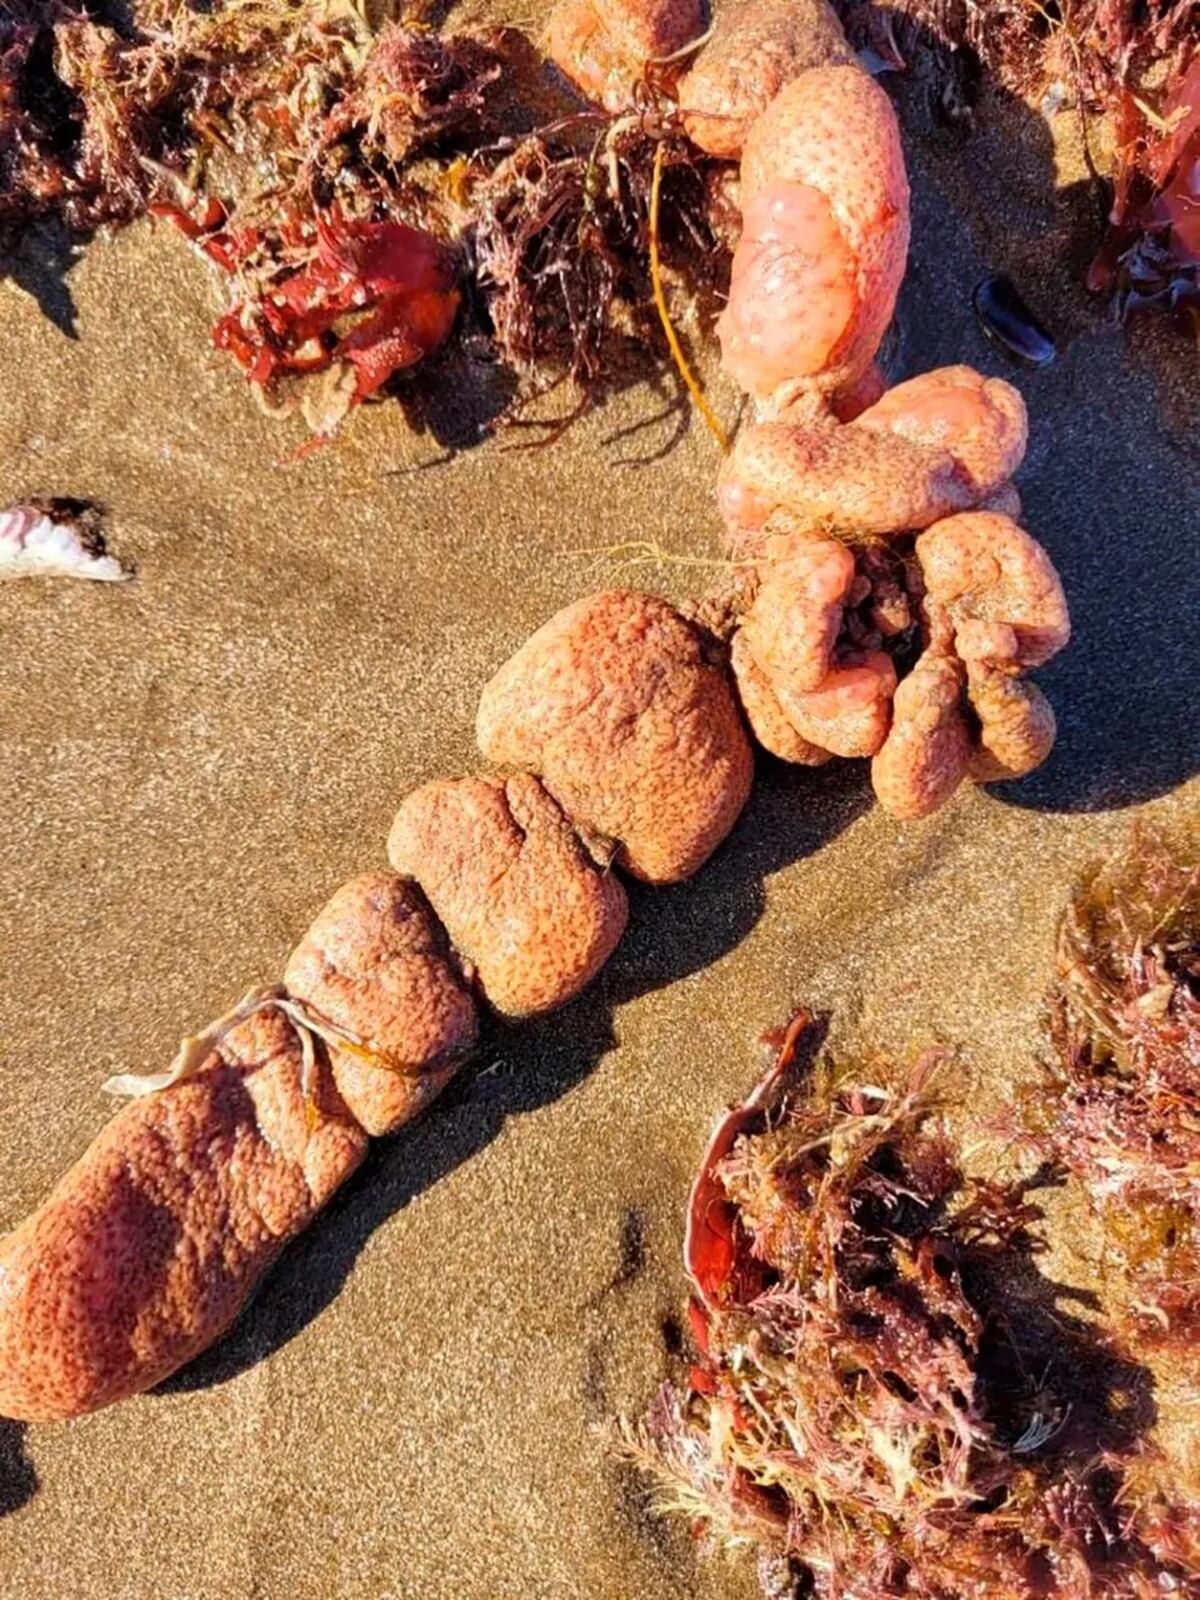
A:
{"x": 411, "y": 1408}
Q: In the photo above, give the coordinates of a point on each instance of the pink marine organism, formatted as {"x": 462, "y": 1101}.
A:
{"x": 981, "y": 421}
{"x": 376, "y": 965}
{"x": 927, "y": 752}
{"x": 825, "y": 235}
{"x": 752, "y": 51}
{"x": 1001, "y": 593}
{"x": 525, "y": 905}
{"x": 605, "y": 46}
{"x": 849, "y": 711}
{"x": 616, "y": 705}
{"x": 793, "y": 622}
{"x": 994, "y": 607}
{"x": 150, "y": 1245}
{"x": 944, "y": 442}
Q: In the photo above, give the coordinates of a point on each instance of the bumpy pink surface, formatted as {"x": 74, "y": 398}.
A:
{"x": 933, "y": 446}
{"x": 509, "y": 878}
{"x": 849, "y": 713}
{"x": 767, "y": 718}
{"x": 1017, "y": 725}
{"x": 754, "y": 49}
{"x": 804, "y": 311}
{"x": 981, "y": 421}
{"x": 580, "y": 46}
{"x": 999, "y": 588}
{"x": 928, "y": 749}
{"x": 632, "y": 729}
{"x": 822, "y": 478}
{"x": 646, "y": 29}
{"x": 147, "y": 1249}
{"x": 604, "y": 46}
{"x": 794, "y": 619}
{"x": 376, "y": 963}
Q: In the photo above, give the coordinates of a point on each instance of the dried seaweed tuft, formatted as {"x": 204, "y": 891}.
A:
{"x": 889, "y": 1400}
{"x": 1121, "y": 1106}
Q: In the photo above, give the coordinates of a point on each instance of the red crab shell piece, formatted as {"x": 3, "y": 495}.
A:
{"x": 709, "y": 1241}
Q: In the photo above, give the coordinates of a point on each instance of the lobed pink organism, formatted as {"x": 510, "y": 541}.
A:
{"x": 376, "y": 964}
{"x": 945, "y": 442}
{"x": 824, "y": 238}
{"x": 615, "y": 705}
{"x": 149, "y": 1246}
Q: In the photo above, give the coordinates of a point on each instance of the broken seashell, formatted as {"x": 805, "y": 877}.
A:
{"x": 56, "y": 539}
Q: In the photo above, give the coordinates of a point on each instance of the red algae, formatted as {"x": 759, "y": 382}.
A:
{"x": 888, "y": 1399}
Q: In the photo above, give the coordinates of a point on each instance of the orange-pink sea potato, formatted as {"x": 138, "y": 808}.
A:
{"x": 928, "y": 448}
{"x": 981, "y": 421}
{"x": 849, "y": 712}
{"x": 649, "y": 29}
{"x": 824, "y": 478}
{"x": 582, "y": 49}
{"x": 1017, "y": 725}
{"x": 825, "y": 235}
{"x": 147, "y": 1249}
{"x": 375, "y": 963}
{"x": 604, "y": 46}
{"x": 999, "y": 588}
{"x": 755, "y": 47}
{"x": 507, "y": 875}
{"x": 927, "y": 752}
{"x": 767, "y": 718}
{"x": 615, "y": 704}
{"x": 793, "y": 622}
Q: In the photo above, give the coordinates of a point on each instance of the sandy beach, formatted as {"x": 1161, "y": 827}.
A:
{"x": 413, "y": 1406}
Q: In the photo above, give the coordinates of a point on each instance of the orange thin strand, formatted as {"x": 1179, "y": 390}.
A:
{"x": 664, "y": 316}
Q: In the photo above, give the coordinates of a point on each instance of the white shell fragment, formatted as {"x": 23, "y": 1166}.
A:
{"x": 56, "y": 539}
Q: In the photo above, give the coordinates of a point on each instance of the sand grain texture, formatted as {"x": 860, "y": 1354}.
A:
{"x": 193, "y": 762}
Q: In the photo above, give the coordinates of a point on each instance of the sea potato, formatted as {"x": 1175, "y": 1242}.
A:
{"x": 755, "y": 47}
{"x": 767, "y": 718}
{"x": 999, "y": 588}
{"x": 939, "y": 444}
{"x": 825, "y": 212}
{"x": 147, "y": 1249}
{"x": 519, "y": 895}
{"x": 375, "y": 963}
{"x": 633, "y": 730}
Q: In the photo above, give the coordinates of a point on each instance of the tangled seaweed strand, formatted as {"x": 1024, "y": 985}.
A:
{"x": 875, "y": 1408}
{"x": 95, "y": 120}
{"x": 1123, "y": 1106}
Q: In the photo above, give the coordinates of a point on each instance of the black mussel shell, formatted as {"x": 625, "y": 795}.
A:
{"x": 1010, "y": 324}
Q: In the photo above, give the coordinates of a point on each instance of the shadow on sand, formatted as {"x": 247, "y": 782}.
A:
{"x": 18, "y": 1478}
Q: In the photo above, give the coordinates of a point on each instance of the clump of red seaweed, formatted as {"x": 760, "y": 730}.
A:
{"x": 560, "y": 238}
{"x": 324, "y": 168}
{"x": 338, "y": 264}
{"x": 1121, "y": 1106}
{"x": 279, "y": 136}
{"x": 889, "y": 1400}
